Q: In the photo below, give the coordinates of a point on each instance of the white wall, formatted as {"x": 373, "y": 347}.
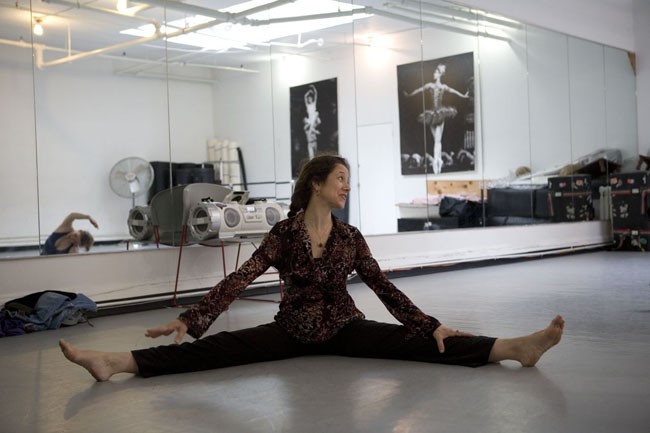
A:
{"x": 621, "y": 23}
{"x": 608, "y": 22}
{"x": 18, "y": 148}
{"x": 642, "y": 49}
{"x": 82, "y": 129}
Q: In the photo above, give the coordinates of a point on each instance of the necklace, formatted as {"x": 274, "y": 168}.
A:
{"x": 320, "y": 237}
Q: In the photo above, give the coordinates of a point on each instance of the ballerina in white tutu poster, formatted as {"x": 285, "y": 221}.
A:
{"x": 436, "y": 112}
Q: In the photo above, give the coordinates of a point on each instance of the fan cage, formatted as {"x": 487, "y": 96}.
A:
{"x": 120, "y": 185}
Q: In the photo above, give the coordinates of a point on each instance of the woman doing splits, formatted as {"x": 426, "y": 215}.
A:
{"x": 314, "y": 253}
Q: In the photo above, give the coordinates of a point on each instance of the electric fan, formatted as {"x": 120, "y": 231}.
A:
{"x": 131, "y": 177}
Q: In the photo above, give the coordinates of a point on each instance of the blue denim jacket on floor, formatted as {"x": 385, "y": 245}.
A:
{"x": 54, "y": 309}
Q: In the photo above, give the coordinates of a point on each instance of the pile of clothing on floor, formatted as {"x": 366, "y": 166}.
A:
{"x": 44, "y": 310}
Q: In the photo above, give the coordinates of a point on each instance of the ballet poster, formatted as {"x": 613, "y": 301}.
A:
{"x": 436, "y": 115}
{"x": 314, "y": 122}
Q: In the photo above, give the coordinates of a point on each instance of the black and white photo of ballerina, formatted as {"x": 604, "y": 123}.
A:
{"x": 438, "y": 147}
{"x": 314, "y": 121}
{"x": 435, "y": 117}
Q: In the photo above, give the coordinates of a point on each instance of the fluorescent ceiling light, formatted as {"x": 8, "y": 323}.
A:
{"x": 38, "y": 27}
{"x": 122, "y": 5}
{"x": 225, "y": 36}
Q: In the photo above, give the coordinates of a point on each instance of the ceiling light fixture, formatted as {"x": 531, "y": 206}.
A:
{"x": 122, "y": 5}
{"x": 38, "y": 28}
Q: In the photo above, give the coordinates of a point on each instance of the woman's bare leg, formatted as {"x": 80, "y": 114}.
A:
{"x": 527, "y": 350}
{"x": 101, "y": 365}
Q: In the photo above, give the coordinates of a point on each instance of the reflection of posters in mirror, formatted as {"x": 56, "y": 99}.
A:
{"x": 314, "y": 122}
{"x": 436, "y": 115}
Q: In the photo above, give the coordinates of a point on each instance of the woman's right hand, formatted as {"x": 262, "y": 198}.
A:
{"x": 175, "y": 325}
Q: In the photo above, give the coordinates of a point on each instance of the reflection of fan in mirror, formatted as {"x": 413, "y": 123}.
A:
{"x": 131, "y": 177}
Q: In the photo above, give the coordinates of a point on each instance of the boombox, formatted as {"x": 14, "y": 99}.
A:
{"x": 209, "y": 219}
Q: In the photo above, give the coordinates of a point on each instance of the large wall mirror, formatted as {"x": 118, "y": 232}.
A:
{"x": 427, "y": 100}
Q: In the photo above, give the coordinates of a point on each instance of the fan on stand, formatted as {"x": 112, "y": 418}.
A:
{"x": 131, "y": 177}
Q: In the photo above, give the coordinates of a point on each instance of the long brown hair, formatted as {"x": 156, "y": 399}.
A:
{"x": 315, "y": 170}
{"x": 86, "y": 239}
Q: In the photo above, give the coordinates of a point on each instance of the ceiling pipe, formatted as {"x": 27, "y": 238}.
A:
{"x": 178, "y": 61}
{"x": 131, "y": 71}
{"x": 157, "y": 35}
{"x": 421, "y": 9}
{"x": 298, "y": 44}
{"x": 446, "y": 20}
{"x": 191, "y": 9}
{"x": 265, "y": 7}
{"x": 239, "y": 17}
{"x": 166, "y": 76}
{"x": 455, "y": 13}
{"x": 40, "y": 48}
{"x": 20, "y": 43}
{"x": 114, "y": 12}
{"x": 323, "y": 16}
{"x": 420, "y": 21}
{"x": 84, "y": 54}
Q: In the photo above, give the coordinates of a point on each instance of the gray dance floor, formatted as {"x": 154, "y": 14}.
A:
{"x": 596, "y": 380}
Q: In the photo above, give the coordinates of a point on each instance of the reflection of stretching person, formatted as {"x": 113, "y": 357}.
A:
{"x": 435, "y": 117}
{"x": 312, "y": 121}
{"x": 66, "y": 240}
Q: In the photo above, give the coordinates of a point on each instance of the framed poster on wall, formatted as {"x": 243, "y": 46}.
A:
{"x": 314, "y": 121}
{"x": 436, "y": 115}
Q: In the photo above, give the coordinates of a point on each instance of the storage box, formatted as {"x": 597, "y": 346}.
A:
{"x": 518, "y": 202}
{"x": 631, "y": 240}
{"x": 632, "y": 180}
{"x": 630, "y": 208}
{"x": 571, "y": 206}
{"x": 576, "y": 182}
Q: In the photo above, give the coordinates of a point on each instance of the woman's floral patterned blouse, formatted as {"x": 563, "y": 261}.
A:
{"x": 316, "y": 303}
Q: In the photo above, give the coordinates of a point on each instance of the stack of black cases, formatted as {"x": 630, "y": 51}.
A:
{"x": 571, "y": 198}
{"x": 631, "y": 210}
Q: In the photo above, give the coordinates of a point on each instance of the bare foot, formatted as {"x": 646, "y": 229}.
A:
{"x": 532, "y": 347}
{"x": 98, "y": 364}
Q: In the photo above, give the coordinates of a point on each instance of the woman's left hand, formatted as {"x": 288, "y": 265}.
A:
{"x": 443, "y": 332}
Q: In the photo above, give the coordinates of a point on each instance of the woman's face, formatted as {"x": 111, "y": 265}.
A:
{"x": 334, "y": 191}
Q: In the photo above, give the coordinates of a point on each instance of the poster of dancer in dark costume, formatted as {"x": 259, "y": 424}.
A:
{"x": 314, "y": 121}
{"x": 436, "y": 115}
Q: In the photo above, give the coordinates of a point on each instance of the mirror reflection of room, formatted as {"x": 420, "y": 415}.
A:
{"x": 206, "y": 99}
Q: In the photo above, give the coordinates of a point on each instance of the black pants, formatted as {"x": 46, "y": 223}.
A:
{"x": 361, "y": 338}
